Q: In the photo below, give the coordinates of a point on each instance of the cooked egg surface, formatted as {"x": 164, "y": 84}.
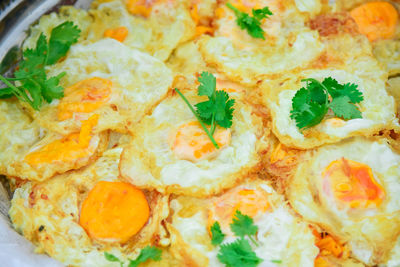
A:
{"x": 171, "y": 152}
{"x": 377, "y": 109}
{"x": 288, "y": 43}
{"x": 107, "y": 78}
{"x": 281, "y": 235}
{"x": 80, "y": 17}
{"x": 351, "y": 190}
{"x": 155, "y": 27}
{"x": 28, "y": 152}
{"x": 53, "y": 215}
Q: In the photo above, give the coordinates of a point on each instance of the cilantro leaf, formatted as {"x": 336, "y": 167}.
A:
{"x": 112, "y": 258}
{"x": 343, "y": 108}
{"x": 252, "y": 24}
{"x": 217, "y": 110}
{"x": 262, "y": 13}
{"x": 208, "y": 83}
{"x": 238, "y": 254}
{"x": 35, "y": 87}
{"x": 146, "y": 253}
{"x": 243, "y": 225}
{"x": 216, "y": 234}
{"x": 310, "y": 104}
{"x": 53, "y": 90}
{"x": 6, "y": 93}
{"x": 62, "y": 37}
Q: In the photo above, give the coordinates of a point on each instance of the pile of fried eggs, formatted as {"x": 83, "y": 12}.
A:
{"x": 120, "y": 162}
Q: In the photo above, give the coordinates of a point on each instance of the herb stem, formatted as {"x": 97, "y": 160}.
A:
{"x": 253, "y": 240}
{"x": 198, "y": 118}
{"x": 15, "y": 91}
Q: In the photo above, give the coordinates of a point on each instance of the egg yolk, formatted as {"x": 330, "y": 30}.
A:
{"x": 190, "y": 141}
{"x": 140, "y": 7}
{"x": 352, "y": 183}
{"x": 250, "y": 202}
{"x": 119, "y": 33}
{"x": 377, "y": 20}
{"x": 84, "y": 97}
{"x": 67, "y": 149}
{"x": 114, "y": 211}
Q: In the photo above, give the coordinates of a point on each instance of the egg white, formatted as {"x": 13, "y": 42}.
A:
{"x": 370, "y": 233}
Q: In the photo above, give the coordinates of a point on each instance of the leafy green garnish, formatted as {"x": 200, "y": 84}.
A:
{"x": 216, "y": 234}
{"x": 310, "y": 104}
{"x": 252, "y": 24}
{"x": 243, "y": 225}
{"x": 238, "y": 254}
{"x": 217, "y": 110}
{"x": 112, "y": 258}
{"x": 146, "y": 253}
{"x": 35, "y": 86}
{"x": 276, "y": 261}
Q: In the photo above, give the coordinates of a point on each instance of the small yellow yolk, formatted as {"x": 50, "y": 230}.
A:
{"x": 336, "y": 122}
{"x": 114, "y": 211}
{"x": 140, "y": 7}
{"x": 67, "y": 149}
{"x": 119, "y": 33}
{"x": 84, "y": 97}
{"x": 190, "y": 142}
{"x": 377, "y": 20}
{"x": 352, "y": 183}
{"x": 250, "y": 202}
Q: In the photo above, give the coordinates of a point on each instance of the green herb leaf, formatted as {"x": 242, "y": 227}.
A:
{"x": 310, "y": 104}
{"x": 147, "y": 253}
{"x": 62, "y": 37}
{"x": 217, "y": 110}
{"x": 207, "y": 85}
{"x": 252, "y": 24}
{"x": 111, "y": 257}
{"x": 35, "y": 86}
{"x": 343, "y": 108}
{"x": 238, "y": 254}
{"x": 276, "y": 261}
{"x": 6, "y": 93}
{"x": 216, "y": 234}
{"x": 243, "y": 225}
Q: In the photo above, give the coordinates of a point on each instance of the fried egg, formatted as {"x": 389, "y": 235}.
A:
{"x": 155, "y": 27}
{"x": 288, "y": 43}
{"x": 379, "y": 22}
{"x": 107, "y": 78}
{"x": 171, "y": 152}
{"x": 41, "y": 155}
{"x": 76, "y": 217}
{"x": 282, "y": 237}
{"x": 47, "y": 22}
{"x": 377, "y": 108}
{"x": 351, "y": 190}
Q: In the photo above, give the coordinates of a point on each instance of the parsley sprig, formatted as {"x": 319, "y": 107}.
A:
{"x": 34, "y": 86}
{"x": 146, "y": 253}
{"x": 252, "y": 24}
{"x": 310, "y": 104}
{"x": 239, "y": 252}
{"x": 217, "y": 110}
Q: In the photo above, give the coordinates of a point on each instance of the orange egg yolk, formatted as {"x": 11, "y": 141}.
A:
{"x": 67, "y": 149}
{"x": 250, "y": 202}
{"x": 84, "y": 97}
{"x": 114, "y": 211}
{"x": 140, "y": 7}
{"x": 119, "y": 33}
{"x": 190, "y": 141}
{"x": 377, "y": 20}
{"x": 352, "y": 183}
